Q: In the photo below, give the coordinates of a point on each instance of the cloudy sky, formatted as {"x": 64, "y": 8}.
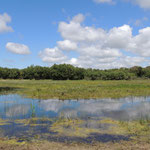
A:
{"x": 85, "y": 33}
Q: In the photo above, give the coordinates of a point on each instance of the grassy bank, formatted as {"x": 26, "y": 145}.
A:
{"x": 46, "y": 89}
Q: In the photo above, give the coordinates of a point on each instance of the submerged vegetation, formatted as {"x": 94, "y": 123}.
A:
{"x": 137, "y": 131}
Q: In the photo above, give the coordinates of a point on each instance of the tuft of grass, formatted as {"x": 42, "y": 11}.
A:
{"x": 34, "y": 121}
{"x": 4, "y": 122}
{"x": 68, "y": 127}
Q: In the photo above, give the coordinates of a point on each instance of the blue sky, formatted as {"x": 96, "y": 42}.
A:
{"x": 86, "y": 33}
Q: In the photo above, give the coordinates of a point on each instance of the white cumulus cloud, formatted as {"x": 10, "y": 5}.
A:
{"x": 52, "y": 55}
{"x": 118, "y": 37}
{"x": 99, "y": 48}
{"x": 17, "y": 48}
{"x": 4, "y": 20}
{"x": 140, "y": 44}
{"x": 78, "y": 18}
{"x": 67, "y": 45}
{"x": 74, "y": 31}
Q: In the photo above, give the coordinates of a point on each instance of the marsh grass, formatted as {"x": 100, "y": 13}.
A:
{"x": 7, "y": 90}
{"x": 135, "y": 129}
{"x": 48, "y": 89}
{"x": 138, "y": 131}
{"x": 4, "y": 122}
{"x": 72, "y": 128}
{"x": 34, "y": 121}
{"x": 137, "y": 142}
{"x": 138, "y": 128}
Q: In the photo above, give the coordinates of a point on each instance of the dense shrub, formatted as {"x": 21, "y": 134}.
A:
{"x": 69, "y": 72}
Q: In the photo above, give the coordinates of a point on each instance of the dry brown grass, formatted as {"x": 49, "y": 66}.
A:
{"x": 45, "y": 145}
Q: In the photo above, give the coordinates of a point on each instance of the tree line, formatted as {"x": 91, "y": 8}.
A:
{"x": 69, "y": 72}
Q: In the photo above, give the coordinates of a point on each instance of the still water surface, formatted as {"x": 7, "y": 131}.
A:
{"x": 26, "y": 118}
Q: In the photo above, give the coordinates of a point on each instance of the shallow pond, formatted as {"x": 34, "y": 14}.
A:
{"x": 69, "y": 120}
